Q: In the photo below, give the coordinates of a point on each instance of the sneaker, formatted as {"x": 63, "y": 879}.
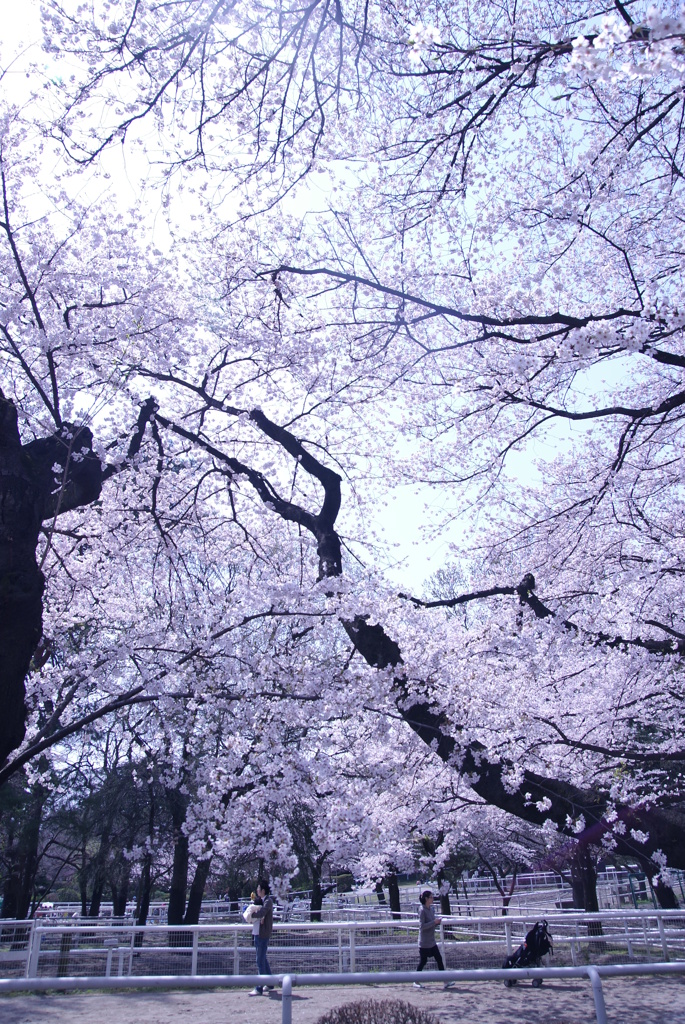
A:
{"x": 448, "y": 984}
{"x": 255, "y": 992}
{"x": 417, "y": 985}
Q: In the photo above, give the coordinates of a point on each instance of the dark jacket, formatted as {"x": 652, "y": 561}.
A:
{"x": 265, "y": 916}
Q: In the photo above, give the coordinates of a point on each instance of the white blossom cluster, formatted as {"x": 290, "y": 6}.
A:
{"x": 650, "y": 50}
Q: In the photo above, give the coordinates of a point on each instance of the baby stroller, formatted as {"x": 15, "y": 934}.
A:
{"x": 538, "y": 943}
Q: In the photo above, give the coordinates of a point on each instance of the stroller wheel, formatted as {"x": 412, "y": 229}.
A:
{"x": 537, "y": 982}
{"x": 510, "y": 984}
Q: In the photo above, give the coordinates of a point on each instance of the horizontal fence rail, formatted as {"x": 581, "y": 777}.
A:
{"x": 533, "y": 893}
{"x": 286, "y": 982}
{"x": 38, "y": 949}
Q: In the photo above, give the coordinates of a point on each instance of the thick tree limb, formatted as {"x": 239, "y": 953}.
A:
{"x": 577, "y": 812}
{"x": 320, "y": 524}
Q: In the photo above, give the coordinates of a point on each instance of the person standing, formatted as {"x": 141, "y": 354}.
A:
{"x": 427, "y": 944}
{"x": 265, "y": 916}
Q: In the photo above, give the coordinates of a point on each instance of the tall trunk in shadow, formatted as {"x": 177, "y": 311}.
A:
{"x": 22, "y": 856}
{"x": 179, "y": 881}
{"x": 378, "y": 889}
{"x": 584, "y": 888}
{"x": 443, "y": 889}
{"x": 83, "y": 878}
{"x": 584, "y": 880}
{"x": 120, "y": 892}
{"x": 394, "y": 894}
{"x": 197, "y": 889}
{"x": 665, "y": 896}
{"x": 178, "y": 804}
{"x": 145, "y": 884}
{"x": 315, "y": 865}
{"x": 100, "y": 870}
{"x": 144, "y": 895}
{"x": 316, "y": 901}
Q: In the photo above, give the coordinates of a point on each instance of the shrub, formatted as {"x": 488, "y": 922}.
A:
{"x": 370, "y": 1011}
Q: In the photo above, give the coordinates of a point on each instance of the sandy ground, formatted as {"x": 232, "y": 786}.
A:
{"x": 628, "y": 1001}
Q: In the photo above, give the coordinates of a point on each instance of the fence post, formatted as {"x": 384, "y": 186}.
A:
{"x": 632, "y": 889}
{"x": 340, "y": 955}
{"x": 110, "y": 944}
{"x": 353, "y": 950}
{"x": 442, "y": 940}
{"x": 236, "y": 954}
{"x": 600, "y": 1007}
{"x": 32, "y": 959}
{"x": 29, "y": 948}
{"x": 507, "y": 932}
{"x": 193, "y": 958}
{"x": 287, "y": 1000}
{"x": 662, "y": 936}
{"x": 628, "y": 942}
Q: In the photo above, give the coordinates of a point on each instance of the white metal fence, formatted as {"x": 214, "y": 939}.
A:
{"x": 41, "y": 949}
{"x": 534, "y": 893}
{"x": 287, "y": 982}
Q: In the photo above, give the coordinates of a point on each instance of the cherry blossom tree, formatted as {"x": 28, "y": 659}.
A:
{"x": 491, "y": 272}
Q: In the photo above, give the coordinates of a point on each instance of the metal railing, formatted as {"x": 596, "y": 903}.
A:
{"x": 286, "y": 982}
{"x": 36, "y": 949}
{"x": 538, "y": 892}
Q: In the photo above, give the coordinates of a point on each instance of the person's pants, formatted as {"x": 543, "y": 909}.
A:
{"x": 261, "y": 946}
{"x": 425, "y": 953}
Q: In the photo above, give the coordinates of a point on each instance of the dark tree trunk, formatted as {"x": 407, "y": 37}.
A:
{"x": 584, "y": 880}
{"x": 27, "y": 483}
{"x": 144, "y": 890}
{"x": 10, "y": 892}
{"x": 316, "y": 901}
{"x": 120, "y": 894}
{"x": 145, "y": 885}
{"x": 178, "y": 805}
{"x": 315, "y": 867}
{"x": 445, "y": 908}
{"x": 394, "y": 894}
{"x": 179, "y": 881}
{"x": 379, "y": 893}
{"x": 144, "y": 896}
{"x": 23, "y": 858}
{"x": 83, "y": 881}
{"x": 665, "y": 895}
{"x": 584, "y": 888}
{"x": 666, "y": 898}
{"x": 197, "y": 889}
{"x": 100, "y": 871}
{"x": 233, "y": 892}
{"x": 96, "y": 897}
{"x": 21, "y": 581}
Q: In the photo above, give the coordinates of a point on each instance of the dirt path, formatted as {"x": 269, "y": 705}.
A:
{"x": 629, "y": 1001}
